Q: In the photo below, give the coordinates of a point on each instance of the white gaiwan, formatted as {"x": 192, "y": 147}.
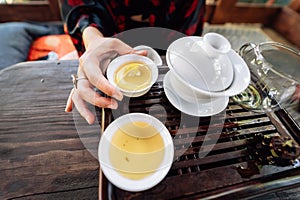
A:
{"x": 204, "y": 73}
{"x": 202, "y": 61}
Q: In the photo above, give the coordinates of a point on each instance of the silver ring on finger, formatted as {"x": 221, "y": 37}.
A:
{"x": 75, "y": 79}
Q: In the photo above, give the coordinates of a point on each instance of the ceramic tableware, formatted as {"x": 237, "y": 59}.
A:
{"x": 133, "y": 162}
{"x": 202, "y": 77}
{"x": 132, "y": 74}
{"x": 151, "y": 53}
{"x": 202, "y": 61}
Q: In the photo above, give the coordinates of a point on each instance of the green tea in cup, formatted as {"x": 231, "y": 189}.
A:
{"x": 133, "y": 76}
{"x": 133, "y": 156}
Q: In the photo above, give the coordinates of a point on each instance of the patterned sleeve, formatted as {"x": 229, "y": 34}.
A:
{"x": 84, "y": 14}
{"x": 186, "y": 16}
{"x": 113, "y": 16}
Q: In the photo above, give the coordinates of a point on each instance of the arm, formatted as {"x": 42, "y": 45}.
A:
{"x": 79, "y": 15}
{"x": 90, "y": 27}
{"x": 91, "y": 38}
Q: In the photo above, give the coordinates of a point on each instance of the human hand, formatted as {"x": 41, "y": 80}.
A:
{"x": 92, "y": 66}
{"x": 297, "y": 93}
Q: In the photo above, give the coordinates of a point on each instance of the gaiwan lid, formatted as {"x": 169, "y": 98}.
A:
{"x": 202, "y": 61}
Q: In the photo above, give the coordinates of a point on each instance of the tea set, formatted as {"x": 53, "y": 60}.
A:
{"x": 203, "y": 73}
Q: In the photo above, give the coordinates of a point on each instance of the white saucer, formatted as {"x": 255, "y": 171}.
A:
{"x": 194, "y": 109}
{"x": 130, "y": 184}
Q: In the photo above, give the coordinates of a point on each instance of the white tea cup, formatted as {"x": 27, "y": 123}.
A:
{"x": 132, "y": 74}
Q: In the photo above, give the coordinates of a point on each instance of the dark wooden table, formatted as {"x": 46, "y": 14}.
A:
{"x": 46, "y": 153}
{"x": 42, "y": 153}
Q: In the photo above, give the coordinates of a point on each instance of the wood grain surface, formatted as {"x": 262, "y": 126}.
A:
{"x": 45, "y": 153}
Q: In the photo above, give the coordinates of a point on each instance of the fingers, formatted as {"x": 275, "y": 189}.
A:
{"x": 100, "y": 82}
{"x": 82, "y": 95}
{"x": 87, "y": 93}
{"x": 69, "y": 105}
{"x": 92, "y": 65}
{"x": 83, "y": 109}
{"x": 141, "y": 52}
{"x": 297, "y": 93}
{"x": 89, "y": 67}
{"x": 102, "y": 55}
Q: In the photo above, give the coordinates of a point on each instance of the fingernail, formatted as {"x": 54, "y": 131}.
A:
{"x": 113, "y": 106}
{"x": 90, "y": 120}
{"x": 67, "y": 110}
{"x": 141, "y": 52}
{"x": 118, "y": 96}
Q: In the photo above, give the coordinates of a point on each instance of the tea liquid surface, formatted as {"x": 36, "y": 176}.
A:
{"x": 134, "y": 157}
{"x": 133, "y": 76}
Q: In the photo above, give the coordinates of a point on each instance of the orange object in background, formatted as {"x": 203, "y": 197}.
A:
{"x": 61, "y": 45}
